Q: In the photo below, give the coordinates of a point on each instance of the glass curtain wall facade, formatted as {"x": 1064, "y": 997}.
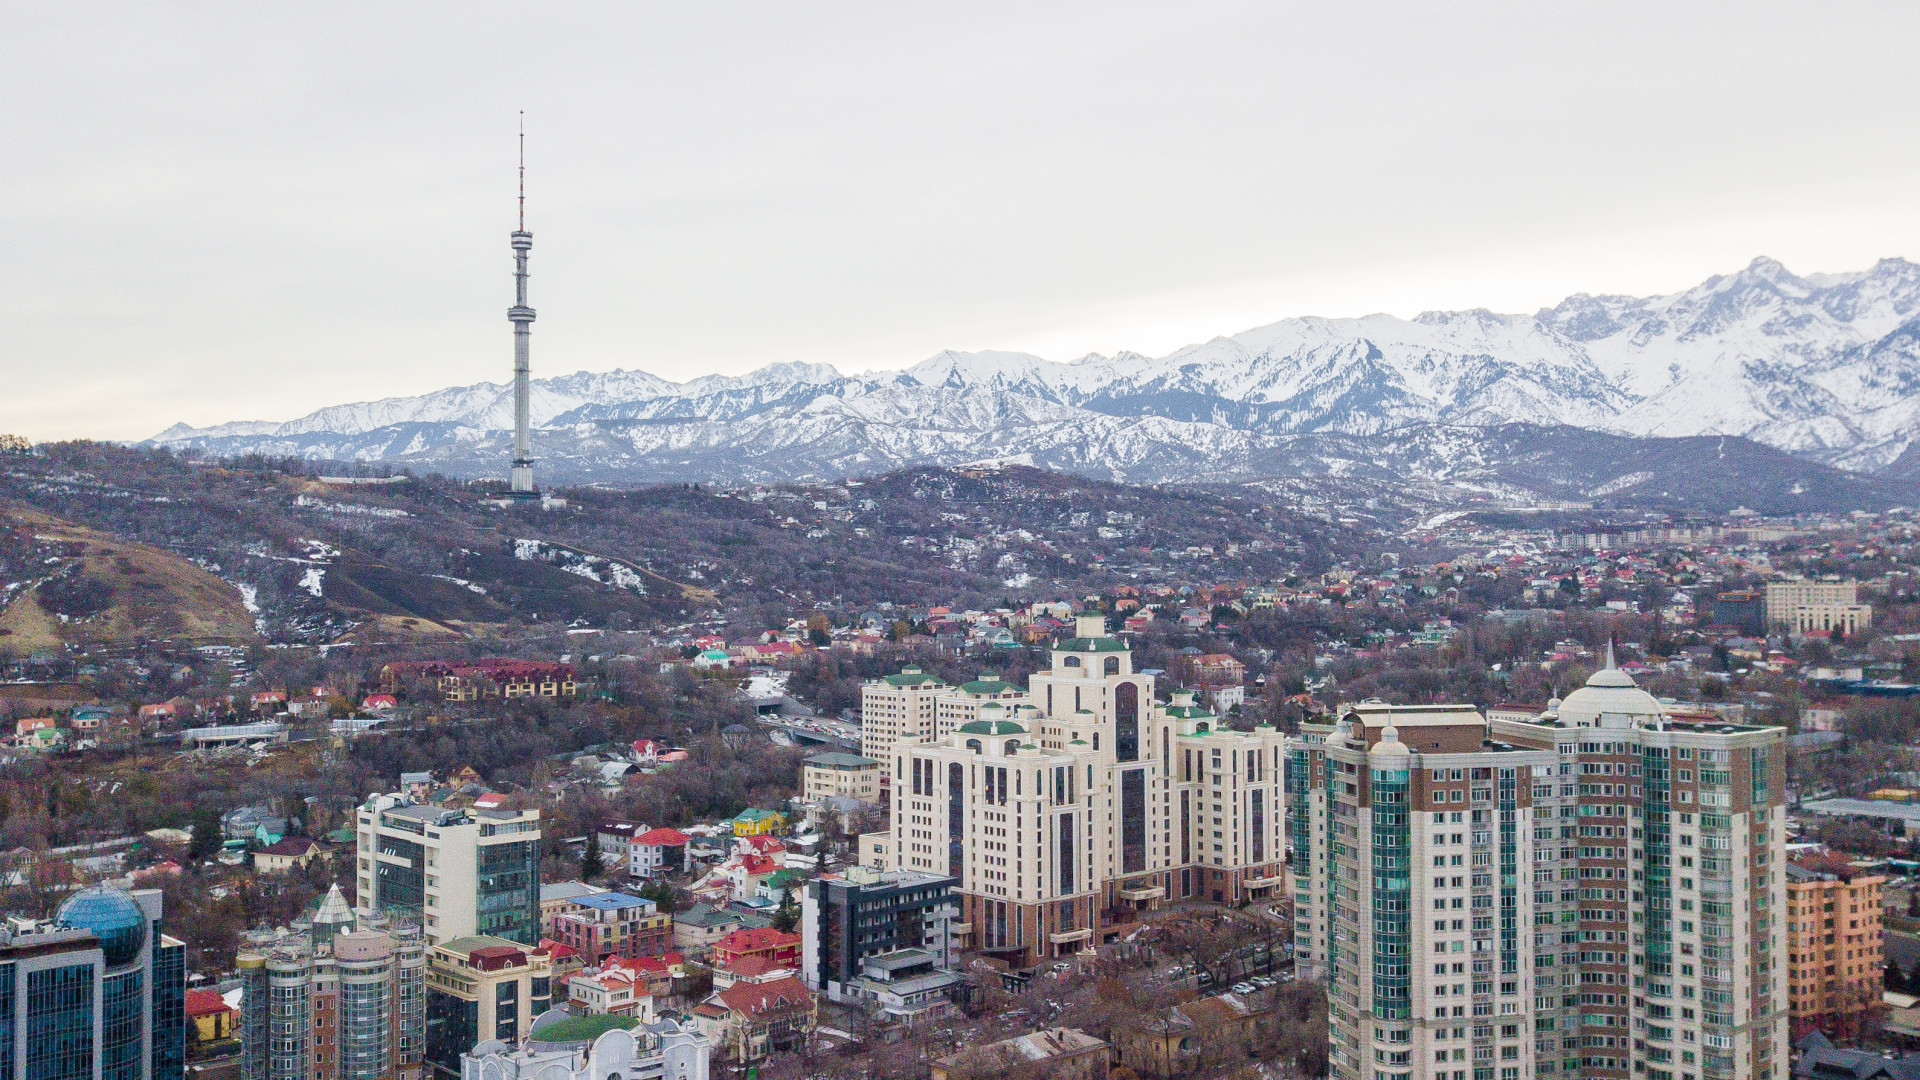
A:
{"x": 509, "y": 891}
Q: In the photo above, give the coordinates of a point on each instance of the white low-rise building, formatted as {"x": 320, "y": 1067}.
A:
{"x": 563, "y": 1047}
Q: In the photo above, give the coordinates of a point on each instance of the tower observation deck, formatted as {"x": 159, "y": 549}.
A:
{"x": 521, "y": 316}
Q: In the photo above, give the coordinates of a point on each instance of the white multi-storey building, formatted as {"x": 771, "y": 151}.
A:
{"x": 1596, "y": 892}
{"x": 454, "y": 872}
{"x": 1063, "y": 815}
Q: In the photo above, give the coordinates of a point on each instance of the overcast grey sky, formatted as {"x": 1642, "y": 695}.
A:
{"x": 222, "y": 211}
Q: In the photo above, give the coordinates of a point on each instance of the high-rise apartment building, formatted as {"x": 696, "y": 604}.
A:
{"x": 456, "y": 872}
{"x": 961, "y": 704}
{"x": 898, "y": 708}
{"x": 1063, "y": 815}
{"x": 1596, "y": 892}
{"x": 95, "y": 993}
{"x": 333, "y": 996}
{"x": 1834, "y": 922}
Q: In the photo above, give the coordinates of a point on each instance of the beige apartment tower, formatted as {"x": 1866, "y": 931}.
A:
{"x": 1065, "y": 813}
{"x": 898, "y": 708}
{"x": 1803, "y": 605}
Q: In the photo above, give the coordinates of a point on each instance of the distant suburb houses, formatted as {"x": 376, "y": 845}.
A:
{"x": 477, "y": 680}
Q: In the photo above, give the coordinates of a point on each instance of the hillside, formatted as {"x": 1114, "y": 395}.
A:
{"x": 69, "y": 584}
{"x": 1420, "y": 470}
{"x": 428, "y": 560}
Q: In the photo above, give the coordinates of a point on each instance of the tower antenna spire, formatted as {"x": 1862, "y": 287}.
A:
{"x": 521, "y": 316}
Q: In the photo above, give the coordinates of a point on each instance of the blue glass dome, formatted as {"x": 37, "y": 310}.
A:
{"x": 114, "y": 917}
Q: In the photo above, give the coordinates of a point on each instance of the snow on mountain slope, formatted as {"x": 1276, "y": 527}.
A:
{"x": 1791, "y": 361}
{"x": 1827, "y": 366}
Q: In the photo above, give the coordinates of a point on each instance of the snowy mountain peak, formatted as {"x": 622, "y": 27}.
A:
{"x": 1826, "y": 365}
{"x": 963, "y": 369}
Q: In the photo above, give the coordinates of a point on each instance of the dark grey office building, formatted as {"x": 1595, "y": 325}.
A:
{"x": 846, "y": 918}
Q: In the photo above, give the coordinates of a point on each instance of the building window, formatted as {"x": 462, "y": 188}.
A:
{"x": 1133, "y": 821}
{"x": 1126, "y": 722}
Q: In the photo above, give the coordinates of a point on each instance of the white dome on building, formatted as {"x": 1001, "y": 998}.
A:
{"x": 1389, "y": 745}
{"x": 1610, "y": 694}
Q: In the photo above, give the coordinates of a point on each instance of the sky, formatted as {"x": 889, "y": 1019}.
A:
{"x": 225, "y": 211}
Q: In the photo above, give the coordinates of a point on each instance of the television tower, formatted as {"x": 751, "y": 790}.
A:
{"x": 521, "y": 316}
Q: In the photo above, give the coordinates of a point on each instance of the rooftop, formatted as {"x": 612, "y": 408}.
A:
{"x": 1039, "y": 1046}
{"x": 567, "y": 890}
{"x": 1874, "y": 808}
{"x": 833, "y": 760}
{"x": 912, "y": 677}
{"x": 578, "y": 1029}
{"x": 613, "y": 901}
{"x": 1090, "y": 644}
{"x": 467, "y": 946}
{"x": 992, "y": 727}
{"x": 901, "y": 958}
{"x": 661, "y": 837}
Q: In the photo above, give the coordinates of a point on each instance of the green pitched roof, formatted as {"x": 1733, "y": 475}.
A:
{"x": 918, "y": 678}
{"x": 992, "y": 727}
{"x": 1091, "y": 644}
{"x": 988, "y": 686}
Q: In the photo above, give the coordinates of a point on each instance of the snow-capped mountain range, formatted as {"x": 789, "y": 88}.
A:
{"x": 1825, "y": 366}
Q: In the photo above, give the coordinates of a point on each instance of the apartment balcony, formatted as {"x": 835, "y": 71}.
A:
{"x": 960, "y": 929}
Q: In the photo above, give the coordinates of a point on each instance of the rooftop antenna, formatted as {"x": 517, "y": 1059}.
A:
{"x": 523, "y": 170}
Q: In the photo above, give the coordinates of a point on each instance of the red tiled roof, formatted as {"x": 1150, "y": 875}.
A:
{"x": 656, "y": 965}
{"x": 751, "y": 967}
{"x": 756, "y": 939}
{"x": 757, "y": 865}
{"x": 207, "y": 1003}
{"x": 662, "y": 837}
{"x": 753, "y": 998}
{"x": 496, "y": 668}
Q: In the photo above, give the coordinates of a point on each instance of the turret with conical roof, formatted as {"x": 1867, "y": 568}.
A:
{"x": 333, "y": 917}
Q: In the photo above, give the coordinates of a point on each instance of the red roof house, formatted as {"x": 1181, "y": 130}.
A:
{"x": 760, "y": 943}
